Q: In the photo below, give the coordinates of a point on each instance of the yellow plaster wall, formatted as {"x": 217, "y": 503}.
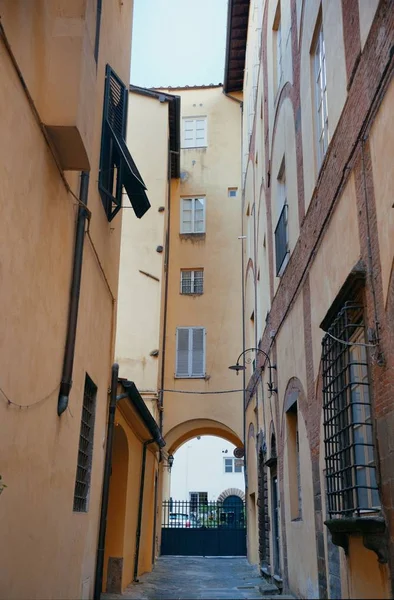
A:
{"x": 367, "y": 578}
{"x": 39, "y": 449}
{"x": 338, "y": 253}
{"x": 382, "y": 148}
{"x": 210, "y": 172}
{"x": 367, "y": 10}
{"x": 138, "y": 319}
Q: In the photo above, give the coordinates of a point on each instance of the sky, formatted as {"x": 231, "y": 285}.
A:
{"x": 178, "y": 42}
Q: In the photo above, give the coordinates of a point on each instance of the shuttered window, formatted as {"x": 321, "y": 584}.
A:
{"x": 190, "y": 352}
{"x": 117, "y": 168}
{"x": 194, "y": 132}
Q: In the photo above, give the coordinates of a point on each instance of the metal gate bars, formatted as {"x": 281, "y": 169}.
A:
{"x": 195, "y": 528}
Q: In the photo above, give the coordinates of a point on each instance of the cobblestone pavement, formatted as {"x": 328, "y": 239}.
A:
{"x": 189, "y": 578}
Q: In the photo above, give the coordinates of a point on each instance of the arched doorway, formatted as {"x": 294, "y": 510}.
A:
{"x": 199, "y": 518}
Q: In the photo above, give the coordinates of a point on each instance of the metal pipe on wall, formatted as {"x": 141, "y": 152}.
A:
{"x": 69, "y": 351}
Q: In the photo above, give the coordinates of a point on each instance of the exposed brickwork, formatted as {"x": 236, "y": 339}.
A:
{"x": 351, "y": 36}
{"x": 368, "y": 75}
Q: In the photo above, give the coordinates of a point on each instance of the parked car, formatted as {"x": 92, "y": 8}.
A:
{"x": 182, "y": 520}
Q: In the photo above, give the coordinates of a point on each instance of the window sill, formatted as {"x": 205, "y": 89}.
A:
{"x": 372, "y": 529}
{"x": 192, "y": 236}
{"x": 190, "y": 376}
{"x": 191, "y": 294}
{"x": 271, "y": 462}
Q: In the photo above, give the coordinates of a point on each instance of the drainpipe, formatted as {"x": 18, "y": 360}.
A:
{"x": 98, "y": 581}
{"x": 141, "y": 499}
{"x": 165, "y": 307}
{"x": 68, "y": 361}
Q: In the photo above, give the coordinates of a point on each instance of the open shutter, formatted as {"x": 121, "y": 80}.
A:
{"x": 182, "y": 352}
{"x": 198, "y": 351}
{"x": 117, "y": 168}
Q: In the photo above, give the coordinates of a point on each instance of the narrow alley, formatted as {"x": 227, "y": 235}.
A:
{"x": 208, "y": 578}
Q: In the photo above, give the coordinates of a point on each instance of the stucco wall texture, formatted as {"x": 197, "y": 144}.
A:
{"x": 47, "y": 550}
{"x": 338, "y": 214}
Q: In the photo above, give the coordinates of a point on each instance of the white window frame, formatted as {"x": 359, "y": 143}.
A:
{"x": 193, "y": 282}
{"x": 190, "y": 374}
{"x": 320, "y": 91}
{"x": 194, "y": 199}
{"x": 194, "y": 143}
{"x": 233, "y": 471}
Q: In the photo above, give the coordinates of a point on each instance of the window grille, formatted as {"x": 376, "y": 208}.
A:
{"x": 348, "y": 429}
{"x": 192, "y": 282}
{"x": 321, "y": 97}
{"x": 193, "y": 215}
{"x": 85, "y": 450}
{"x": 190, "y": 356}
{"x": 117, "y": 168}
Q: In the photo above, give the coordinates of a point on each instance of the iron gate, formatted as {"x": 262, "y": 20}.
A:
{"x": 204, "y": 529}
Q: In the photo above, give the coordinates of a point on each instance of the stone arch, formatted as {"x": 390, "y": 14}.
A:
{"x": 188, "y": 430}
{"x": 231, "y": 492}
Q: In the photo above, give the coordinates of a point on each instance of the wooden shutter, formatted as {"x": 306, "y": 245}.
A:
{"x": 198, "y": 351}
{"x": 182, "y": 352}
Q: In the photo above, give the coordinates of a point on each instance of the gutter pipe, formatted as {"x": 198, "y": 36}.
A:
{"x": 69, "y": 352}
{"x": 98, "y": 581}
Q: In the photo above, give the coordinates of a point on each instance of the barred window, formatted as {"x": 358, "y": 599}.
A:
{"x": 85, "y": 450}
{"x": 192, "y": 282}
{"x": 348, "y": 428}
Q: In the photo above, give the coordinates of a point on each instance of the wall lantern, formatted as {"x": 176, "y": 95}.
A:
{"x": 237, "y": 367}
{"x": 170, "y": 462}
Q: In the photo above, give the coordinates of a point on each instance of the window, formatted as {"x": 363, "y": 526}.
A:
{"x": 192, "y": 282}
{"x": 320, "y": 79}
{"x": 198, "y": 499}
{"x": 293, "y": 461}
{"x": 190, "y": 352}
{"x": 232, "y": 192}
{"x": 277, "y": 43}
{"x": 85, "y": 450}
{"x": 348, "y": 428}
{"x": 281, "y": 231}
{"x": 194, "y": 132}
{"x": 117, "y": 168}
{"x": 192, "y": 215}
{"x": 233, "y": 465}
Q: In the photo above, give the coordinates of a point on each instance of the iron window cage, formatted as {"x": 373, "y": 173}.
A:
{"x": 117, "y": 168}
{"x": 348, "y": 429}
{"x": 192, "y": 282}
{"x": 281, "y": 239}
{"x": 85, "y": 449}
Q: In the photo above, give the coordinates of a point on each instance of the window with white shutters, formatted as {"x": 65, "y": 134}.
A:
{"x": 192, "y": 215}
{"x": 192, "y": 282}
{"x": 194, "y": 132}
{"x": 190, "y": 352}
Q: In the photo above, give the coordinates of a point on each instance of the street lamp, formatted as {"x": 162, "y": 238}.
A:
{"x": 237, "y": 367}
{"x": 170, "y": 462}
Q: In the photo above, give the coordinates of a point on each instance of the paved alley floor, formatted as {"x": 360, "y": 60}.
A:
{"x": 188, "y": 578}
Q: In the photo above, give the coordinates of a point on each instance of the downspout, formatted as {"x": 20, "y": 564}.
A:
{"x": 68, "y": 361}
{"x": 243, "y": 309}
{"x": 98, "y": 581}
{"x": 165, "y": 308}
{"x": 141, "y": 499}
